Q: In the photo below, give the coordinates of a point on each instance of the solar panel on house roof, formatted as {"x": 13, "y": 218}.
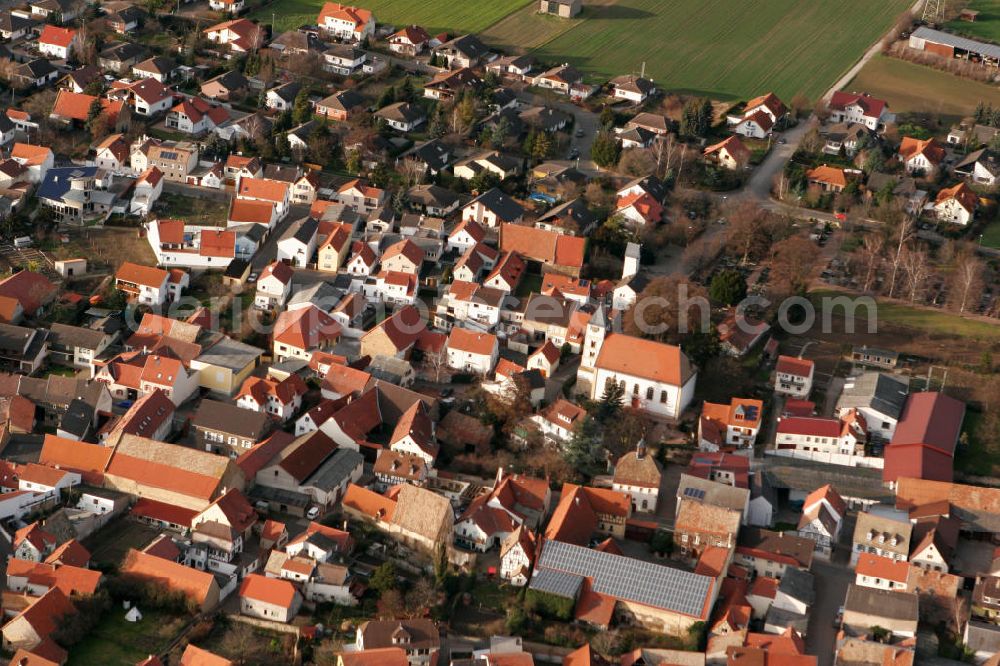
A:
{"x": 558, "y": 583}
{"x": 626, "y": 578}
{"x": 696, "y": 493}
{"x": 751, "y": 412}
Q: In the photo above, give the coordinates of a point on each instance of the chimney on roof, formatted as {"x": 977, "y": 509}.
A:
{"x": 640, "y": 449}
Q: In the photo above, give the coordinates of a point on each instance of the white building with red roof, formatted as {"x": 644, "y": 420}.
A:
{"x": 273, "y": 286}
{"x": 148, "y": 188}
{"x": 838, "y": 441}
{"x": 240, "y": 35}
{"x": 848, "y": 107}
{"x": 194, "y": 115}
{"x": 150, "y": 285}
{"x": 823, "y": 516}
{"x": 269, "y": 598}
{"x": 346, "y": 22}
{"x": 300, "y": 332}
{"x": 276, "y": 192}
{"x": 471, "y": 351}
{"x": 409, "y": 41}
{"x": 881, "y": 573}
{"x": 657, "y": 378}
{"x": 730, "y": 426}
{"x": 57, "y": 42}
{"x": 794, "y": 376}
{"x": 414, "y": 434}
{"x": 280, "y": 399}
{"x": 177, "y": 244}
{"x": 465, "y": 236}
{"x": 558, "y": 421}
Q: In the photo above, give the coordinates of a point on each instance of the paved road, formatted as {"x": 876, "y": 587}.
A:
{"x": 586, "y": 120}
{"x": 831, "y": 581}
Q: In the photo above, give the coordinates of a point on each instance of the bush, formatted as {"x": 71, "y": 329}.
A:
{"x": 549, "y": 605}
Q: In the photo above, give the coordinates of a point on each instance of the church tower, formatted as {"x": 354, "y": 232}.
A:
{"x": 597, "y": 331}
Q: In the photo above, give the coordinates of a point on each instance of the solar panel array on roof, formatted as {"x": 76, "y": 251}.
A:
{"x": 559, "y": 583}
{"x": 750, "y": 412}
{"x": 168, "y": 155}
{"x": 696, "y": 493}
{"x": 626, "y": 578}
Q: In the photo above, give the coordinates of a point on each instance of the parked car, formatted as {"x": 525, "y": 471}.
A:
{"x": 312, "y": 512}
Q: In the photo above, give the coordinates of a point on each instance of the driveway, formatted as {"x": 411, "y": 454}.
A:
{"x": 586, "y": 120}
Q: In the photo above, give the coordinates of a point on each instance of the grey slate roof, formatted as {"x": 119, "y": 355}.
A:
{"x": 879, "y": 391}
{"x": 630, "y": 579}
{"x": 799, "y": 585}
{"x": 336, "y": 469}
{"x": 499, "y": 203}
{"x": 882, "y": 603}
{"x": 229, "y": 353}
{"x": 223, "y": 417}
{"x": 75, "y": 336}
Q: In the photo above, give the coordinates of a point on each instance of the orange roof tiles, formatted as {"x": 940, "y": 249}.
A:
{"x": 30, "y": 155}
{"x": 541, "y": 245}
{"x": 149, "y": 276}
{"x": 264, "y": 188}
{"x": 61, "y": 37}
{"x": 368, "y": 503}
{"x": 359, "y": 17}
{"x": 306, "y": 328}
{"x": 473, "y": 342}
{"x": 884, "y": 568}
{"x": 961, "y": 193}
{"x": 911, "y": 147}
{"x": 273, "y": 591}
{"x": 829, "y": 175}
{"x": 797, "y": 367}
{"x": 645, "y": 358}
{"x": 196, "y": 656}
{"x": 29, "y": 288}
{"x": 193, "y": 583}
{"x": 218, "y": 243}
{"x": 246, "y": 210}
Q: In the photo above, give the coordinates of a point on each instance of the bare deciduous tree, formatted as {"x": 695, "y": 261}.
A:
{"x": 966, "y": 281}
{"x": 900, "y": 236}
{"x": 917, "y": 267}
{"x": 871, "y": 256}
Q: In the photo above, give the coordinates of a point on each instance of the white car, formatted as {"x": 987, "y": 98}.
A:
{"x": 312, "y": 513}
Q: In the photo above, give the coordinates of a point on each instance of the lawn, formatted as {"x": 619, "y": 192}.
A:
{"x": 931, "y": 321}
{"x": 115, "y": 642}
{"x": 911, "y": 87}
{"x": 725, "y": 49}
{"x": 991, "y": 235}
{"x": 435, "y": 15}
{"x": 986, "y": 25}
{"x": 976, "y": 458}
{"x": 201, "y": 211}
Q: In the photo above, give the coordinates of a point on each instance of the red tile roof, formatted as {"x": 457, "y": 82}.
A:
{"x": 306, "y": 328}
{"x": 546, "y": 246}
{"x": 871, "y": 107}
{"x": 473, "y": 342}
{"x": 56, "y": 36}
{"x": 798, "y": 367}
{"x": 169, "y": 513}
{"x": 32, "y": 290}
{"x": 273, "y": 591}
{"x": 264, "y": 188}
{"x": 885, "y": 568}
{"x": 196, "y": 585}
{"x": 645, "y": 358}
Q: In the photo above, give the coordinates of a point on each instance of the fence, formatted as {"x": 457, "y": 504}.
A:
{"x": 830, "y": 458}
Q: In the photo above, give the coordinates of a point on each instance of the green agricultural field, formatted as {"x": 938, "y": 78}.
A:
{"x": 911, "y": 87}
{"x": 726, "y": 49}
{"x": 435, "y": 15}
{"x": 986, "y": 25}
